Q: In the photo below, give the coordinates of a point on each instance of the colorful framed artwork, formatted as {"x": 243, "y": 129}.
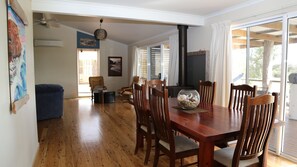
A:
{"x": 114, "y": 66}
{"x": 87, "y": 42}
{"x": 16, "y": 22}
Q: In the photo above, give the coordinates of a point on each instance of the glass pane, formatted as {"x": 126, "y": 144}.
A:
{"x": 239, "y": 56}
{"x": 265, "y": 62}
{"x": 142, "y": 63}
{"x": 289, "y": 145}
{"x": 265, "y": 57}
{"x": 165, "y": 62}
{"x": 155, "y": 59}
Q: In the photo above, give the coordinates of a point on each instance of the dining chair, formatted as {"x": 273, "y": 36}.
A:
{"x": 236, "y": 102}
{"x": 144, "y": 125}
{"x": 176, "y": 147}
{"x": 160, "y": 84}
{"x": 252, "y": 146}
{"x": 155, "y": 83}
{"x": 237, "y": 94}
{"x": 207, "y": 90}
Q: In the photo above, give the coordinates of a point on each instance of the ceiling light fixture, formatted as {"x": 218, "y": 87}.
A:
{"x": 100, "y": 33}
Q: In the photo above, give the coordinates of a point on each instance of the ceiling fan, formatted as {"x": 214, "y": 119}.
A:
{"x": 47, "y": 20}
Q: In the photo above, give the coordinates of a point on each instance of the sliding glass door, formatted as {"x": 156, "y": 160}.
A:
{"x": 289, "y": 135}
{"x": 257, "y": 55}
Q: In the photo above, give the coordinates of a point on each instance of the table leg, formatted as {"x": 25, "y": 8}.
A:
{"x": 206, "y": 151}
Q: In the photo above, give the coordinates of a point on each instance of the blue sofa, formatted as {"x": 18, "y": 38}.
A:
{"x": 49, "y": 101}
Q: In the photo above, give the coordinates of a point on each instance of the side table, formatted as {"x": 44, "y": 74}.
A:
{"x": 104, "y": 96}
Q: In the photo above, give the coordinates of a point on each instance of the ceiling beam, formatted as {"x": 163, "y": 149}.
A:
{"x": 279, "y": 26}
{"x": 259, "y": 36}
{"x": 94, "y": 9}
{"x": 243, "y": 42}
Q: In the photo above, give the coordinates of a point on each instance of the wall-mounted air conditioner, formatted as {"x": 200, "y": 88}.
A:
{"x": 48, "y": 43}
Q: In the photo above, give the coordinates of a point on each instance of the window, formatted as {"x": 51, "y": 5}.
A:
{"x": 256, "y": 56}
{"x": 153, "y": 62}
{"x": 142, "y": 63}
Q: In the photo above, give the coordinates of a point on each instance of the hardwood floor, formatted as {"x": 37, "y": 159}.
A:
{"x": 95, "y": 135}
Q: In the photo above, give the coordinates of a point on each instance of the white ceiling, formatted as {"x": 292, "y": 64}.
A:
{"x": 124, "y": 31}
{"x": 196, "y": 7}
{"x": 131, "y": 21}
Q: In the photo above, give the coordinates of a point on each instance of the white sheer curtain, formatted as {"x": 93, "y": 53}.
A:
{"x": 173, "y": 60}
{"x": 134, "y": 58}
{"x": 220, "y": 61}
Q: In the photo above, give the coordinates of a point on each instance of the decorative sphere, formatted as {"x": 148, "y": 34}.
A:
{"x": 188, "y": 99}
{"x": 100, "y": 34}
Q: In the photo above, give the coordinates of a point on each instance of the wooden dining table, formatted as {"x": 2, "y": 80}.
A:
{"x": 207, "y": 124}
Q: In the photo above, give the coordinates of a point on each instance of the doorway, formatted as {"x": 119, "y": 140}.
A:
{"x": 88, "y": 65}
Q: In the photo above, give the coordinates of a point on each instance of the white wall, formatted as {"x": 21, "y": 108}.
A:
{"x": 58, "y": 65}
{"x": 200, "y": 37}
{"x": 117, "y": 49}
{"x": 18, "y": 141}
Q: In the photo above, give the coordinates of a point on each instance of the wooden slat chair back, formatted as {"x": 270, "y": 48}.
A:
{"x": 207, "y": 90}
{"x": 258, "y": 118}
{"x": 143, "y": 123}
{"x": 160, "y": 114}
{"x": 140, "y": 104}
{"x": 176, "y": 147}
{"x": 155, "y": 83}
{"x": 237, "y": 94}
{"x": 252, "y": 145}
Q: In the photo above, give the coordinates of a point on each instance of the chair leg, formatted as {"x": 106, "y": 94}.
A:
{"x": 157, "y": 152}
{"x": 148, "y": 148}
{"x": 137, "y": 142}
{"x": 172, "y": 162}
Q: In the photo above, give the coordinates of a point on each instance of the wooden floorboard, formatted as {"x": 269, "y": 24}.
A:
{"x": 96, "y": 135}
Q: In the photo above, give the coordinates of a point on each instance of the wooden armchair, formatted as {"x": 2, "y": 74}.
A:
{"x": 127, "y": 91}
{"x": 96, "y": 82}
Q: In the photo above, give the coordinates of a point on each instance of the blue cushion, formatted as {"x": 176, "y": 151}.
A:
{"x": 49, "y": 101}
{"x": 46, "y": 88}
